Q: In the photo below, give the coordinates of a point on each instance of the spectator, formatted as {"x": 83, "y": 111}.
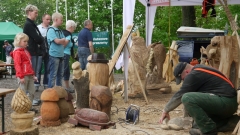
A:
{"x": 43, "y": 27}
{"x": 8, "y": 48}
{"x": 56, "y": 41}
{"x": 23, "y": 66}
{"x": 35, "y": 41}
{"x": 85, "y": 43}
{"x": 70, "y": 27}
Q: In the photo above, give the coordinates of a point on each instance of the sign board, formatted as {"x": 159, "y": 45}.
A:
{"x": 100, "y": 39}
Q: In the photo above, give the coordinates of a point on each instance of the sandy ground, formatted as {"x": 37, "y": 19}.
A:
{"x": 147, "y": 125}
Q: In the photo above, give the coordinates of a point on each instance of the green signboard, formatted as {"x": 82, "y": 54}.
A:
{"x": 100, "y": 39}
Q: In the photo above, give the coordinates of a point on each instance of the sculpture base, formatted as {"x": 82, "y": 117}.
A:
{"x": 50, "y": 123}
{"x": 33, "y": 130}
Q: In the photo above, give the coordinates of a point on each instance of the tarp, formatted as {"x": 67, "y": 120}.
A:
{"x": 8, "y": 30}
{"x": 151, "y": 6}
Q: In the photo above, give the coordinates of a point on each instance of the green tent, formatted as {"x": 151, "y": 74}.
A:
{"x": 8, "y": 31}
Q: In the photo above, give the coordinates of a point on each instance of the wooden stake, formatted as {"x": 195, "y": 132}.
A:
{"x": 135, "y": 69}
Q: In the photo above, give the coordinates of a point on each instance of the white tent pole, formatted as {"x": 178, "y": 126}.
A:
{"x": 66, "y": 10}
{"x": 88, "y": 9}
{"x": 147, "y": 22}
{"x": 56, "y": 5}
{"x": 112, "y": 27}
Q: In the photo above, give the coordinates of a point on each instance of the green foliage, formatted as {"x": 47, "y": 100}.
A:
{"x": 167, "y": 19}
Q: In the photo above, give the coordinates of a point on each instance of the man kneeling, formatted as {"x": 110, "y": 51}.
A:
{"x": 208, "y": 97}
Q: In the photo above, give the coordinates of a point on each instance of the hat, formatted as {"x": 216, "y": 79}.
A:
{"x": 178, "y": 71}
{"x": 5, "y": 41}
{"x": 98, "y": 58}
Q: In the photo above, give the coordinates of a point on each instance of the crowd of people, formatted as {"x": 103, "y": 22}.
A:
{"x": 47, "y": 44}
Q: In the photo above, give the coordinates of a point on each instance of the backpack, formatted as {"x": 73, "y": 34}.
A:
{"x": 56, "y": 31}
{"x": 67, "y": 33}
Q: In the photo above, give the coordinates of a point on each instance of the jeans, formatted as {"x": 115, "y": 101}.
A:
{"x": 55, "y": 71}
{"x": 83, "y": 53}
{"x": 46, "y": 70}
{"x": 209, "y": 111}
{"x": 36, "y": 65}
{"x": 66, "y": 74}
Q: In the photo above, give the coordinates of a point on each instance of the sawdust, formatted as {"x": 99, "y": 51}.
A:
{"x": 147, "y": 125}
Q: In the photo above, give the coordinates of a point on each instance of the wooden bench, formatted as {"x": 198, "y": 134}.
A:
{"x": 3, "y": 93}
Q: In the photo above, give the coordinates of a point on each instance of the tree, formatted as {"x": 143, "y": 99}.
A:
{"x": 188, "y": 16}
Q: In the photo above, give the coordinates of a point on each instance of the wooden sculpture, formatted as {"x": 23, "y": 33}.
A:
{"x": 139, "y": 57}
{"x": 81, "y": 85}
{"x": 101, "y": 99}
{"x": 50, "y": 111}
{"x": 154, "y": 67}
{"x": 222, "y": 54}
{"x": 22, "y": 118}
{"x": 98, "y": 70}
{"x": 170, "y": 62}
{"x": 62, "y": 103}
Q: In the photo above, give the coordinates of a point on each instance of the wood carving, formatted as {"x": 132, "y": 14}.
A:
{"x": 222, "y": 54}
{"x": 81, "y": 86}
{"x": 139, "y": 54}
{"x": 22, "y": 118}
{"x": 155, "y": 65}
{"x": 98, "y": 74}
{"x": 170, "y": 62}
{"x": 101, "y": 99}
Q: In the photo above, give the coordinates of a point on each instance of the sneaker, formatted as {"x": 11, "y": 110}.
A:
{"x": 45, "y": 87}
{"x": 36, "y": 102}
{"x": 34, "y": 110}
{"x": 36, "y": 88}
{"x": 70, "y": 90}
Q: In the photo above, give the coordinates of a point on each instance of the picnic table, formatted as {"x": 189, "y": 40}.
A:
{"x": 4, "y": 65}
{"x": 3, "y": 93}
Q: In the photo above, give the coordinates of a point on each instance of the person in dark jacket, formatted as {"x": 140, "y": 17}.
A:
{"x": 35, "y": 41}
{"x": 208, "y": 96}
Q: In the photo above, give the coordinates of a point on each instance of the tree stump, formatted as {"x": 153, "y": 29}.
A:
{"x": 81, "y": 86}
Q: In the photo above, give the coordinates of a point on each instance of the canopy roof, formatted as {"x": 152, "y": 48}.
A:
{"x": 8, "y": 30}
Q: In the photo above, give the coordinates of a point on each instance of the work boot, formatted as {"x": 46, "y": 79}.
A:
{"x": 213, "y": 132}
{"x": 195, "y": 131}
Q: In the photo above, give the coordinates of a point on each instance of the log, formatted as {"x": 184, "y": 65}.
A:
{"x": 81, "y": 86}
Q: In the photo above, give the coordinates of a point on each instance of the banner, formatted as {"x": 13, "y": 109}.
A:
{"x": 100, "y": 39}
